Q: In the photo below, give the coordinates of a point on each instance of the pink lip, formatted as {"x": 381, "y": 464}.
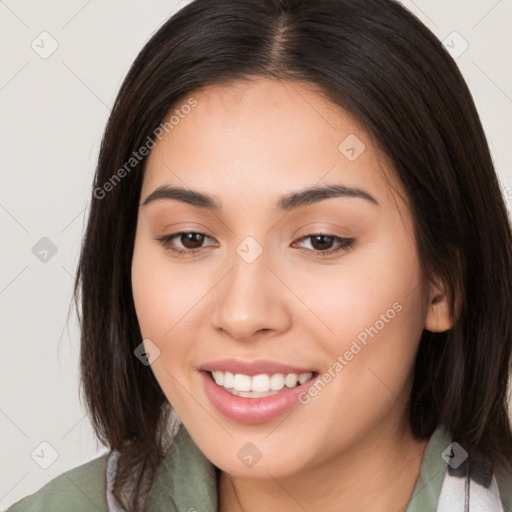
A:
{"x": 252, "y": 368}
{"x": 252, "y": 410}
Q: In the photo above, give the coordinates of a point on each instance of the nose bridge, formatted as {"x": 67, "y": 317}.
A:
{"x": 250, "y": 298}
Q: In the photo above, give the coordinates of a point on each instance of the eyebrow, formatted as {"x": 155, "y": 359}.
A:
{"x": 287, "y": 202}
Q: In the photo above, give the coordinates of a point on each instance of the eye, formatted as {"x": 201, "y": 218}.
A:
{"x": 192, "y": 243}
{"x": 322, "y": 244}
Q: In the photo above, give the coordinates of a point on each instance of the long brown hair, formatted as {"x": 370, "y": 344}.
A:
{"x": 381, "y": 64}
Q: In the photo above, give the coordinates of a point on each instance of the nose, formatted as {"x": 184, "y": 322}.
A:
{"x": 252, "y": 300}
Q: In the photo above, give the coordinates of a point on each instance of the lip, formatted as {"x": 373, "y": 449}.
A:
{"x": 252, "y": 368}
{"x": 253, "y": 410}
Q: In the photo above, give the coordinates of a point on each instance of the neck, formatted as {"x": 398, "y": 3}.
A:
{"x": 377, "y": 474}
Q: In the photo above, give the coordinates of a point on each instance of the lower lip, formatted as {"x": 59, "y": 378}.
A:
{"x": 252, "y": 410}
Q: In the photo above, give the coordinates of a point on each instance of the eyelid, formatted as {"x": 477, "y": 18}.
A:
{"x": 321, "y": 228}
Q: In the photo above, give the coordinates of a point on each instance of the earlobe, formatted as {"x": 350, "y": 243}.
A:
{"x": 439, "y": 318}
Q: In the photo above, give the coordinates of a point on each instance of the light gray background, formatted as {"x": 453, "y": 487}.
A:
{"x": 53, "y": 113}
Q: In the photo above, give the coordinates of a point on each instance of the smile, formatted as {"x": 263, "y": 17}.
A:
{"x": 251, "y": 406}
{"x": 258, "y": 386}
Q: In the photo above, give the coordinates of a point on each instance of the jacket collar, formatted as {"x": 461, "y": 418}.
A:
{"x": 186, "y": 479}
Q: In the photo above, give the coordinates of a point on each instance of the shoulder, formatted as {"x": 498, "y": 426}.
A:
{"x": 79, "y": 489}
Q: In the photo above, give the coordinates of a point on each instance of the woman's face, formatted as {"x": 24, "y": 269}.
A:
{"x": 261, "y": 287}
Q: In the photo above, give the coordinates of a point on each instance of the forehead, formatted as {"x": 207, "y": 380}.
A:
{"x": 264, "y": 136}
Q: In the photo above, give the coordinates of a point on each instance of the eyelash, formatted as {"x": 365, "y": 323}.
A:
{"x": 345, "y": 244}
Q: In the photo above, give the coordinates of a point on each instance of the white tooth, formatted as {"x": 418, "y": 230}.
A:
{"x": 228, "y": 380}
{"x": 260, "y": 383}
{"x": 304, "y": 377}
{"x": 277, "y": 382}
{"x": 291, "y": 380}
{"x": 242, "y": 382}
{"x": 218, "y": 377}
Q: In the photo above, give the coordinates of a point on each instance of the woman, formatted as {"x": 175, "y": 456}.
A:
{"x": 296, "y": 280}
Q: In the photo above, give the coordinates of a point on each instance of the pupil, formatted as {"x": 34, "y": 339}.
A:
{"x": 324, "y": 245}
{"x": 195, "y": 239}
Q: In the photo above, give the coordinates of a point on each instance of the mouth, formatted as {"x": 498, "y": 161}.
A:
{"x": 257, "y": 398}
{"x": 261, "y": 385}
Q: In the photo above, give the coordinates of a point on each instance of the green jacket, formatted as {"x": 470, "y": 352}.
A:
{"x": 186, "y": 481}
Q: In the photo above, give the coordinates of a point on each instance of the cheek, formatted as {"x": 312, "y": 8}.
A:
{"x": 375, "y": 308}
{"x": 375, "y": 313}
{"x": 378, "y": 321}
{"x": 164, "y": 295}
{"x": 366, "y": 287}
{"x": 164, "y": 301}
{"x": 147, "y": 281}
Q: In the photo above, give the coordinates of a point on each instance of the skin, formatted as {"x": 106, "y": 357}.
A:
{"x": 350, "y": 448}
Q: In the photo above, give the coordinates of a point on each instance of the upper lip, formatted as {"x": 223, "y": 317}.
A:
{"x": 251, "y": 368}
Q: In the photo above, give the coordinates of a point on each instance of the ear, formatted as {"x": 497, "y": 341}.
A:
{"x": 438, "y": 317}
